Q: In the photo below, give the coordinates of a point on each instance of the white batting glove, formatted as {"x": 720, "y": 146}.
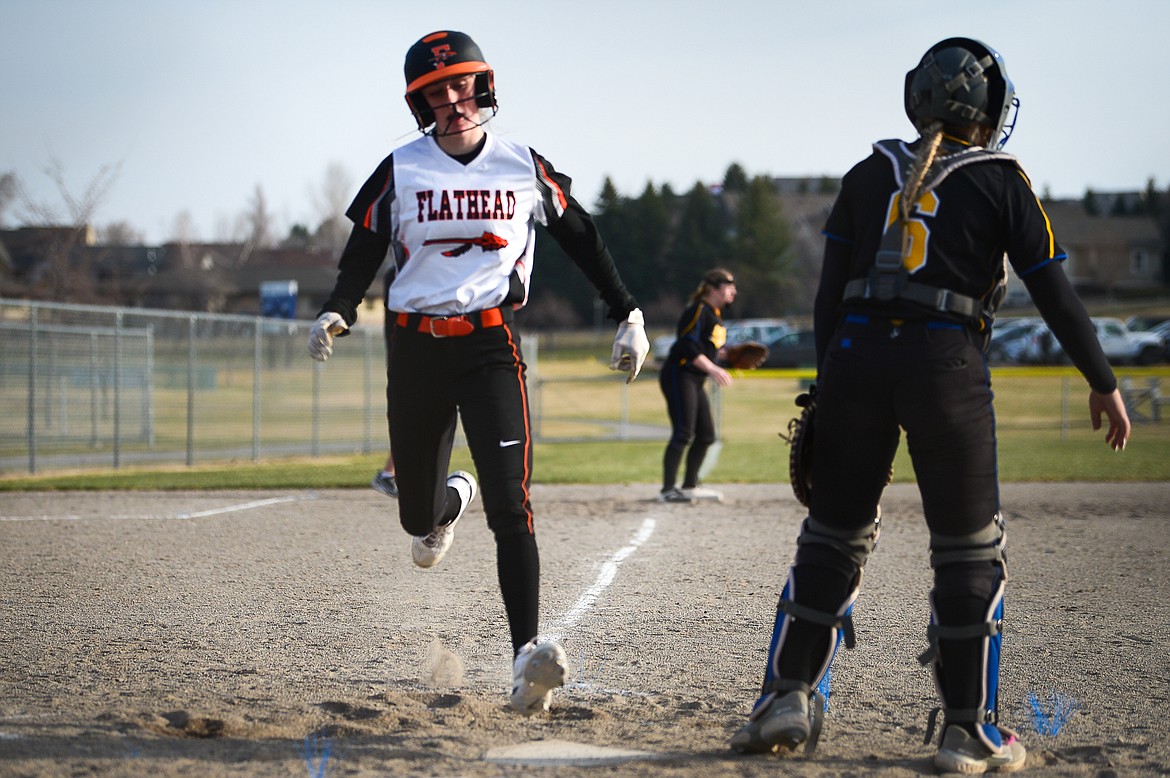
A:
{"x": 321, "y": 336}
{"x": 631, "y": 346}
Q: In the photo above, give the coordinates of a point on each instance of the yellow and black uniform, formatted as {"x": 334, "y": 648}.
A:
{"x": 914, "y": 269}
{"x": 899, "y": 363}
{"x": 886, "y": 365}
{"x": 700, "y": 333}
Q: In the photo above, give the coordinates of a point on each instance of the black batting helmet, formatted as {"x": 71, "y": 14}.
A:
{"x": 441, "y": 55}
{"x": 962, "y": 82}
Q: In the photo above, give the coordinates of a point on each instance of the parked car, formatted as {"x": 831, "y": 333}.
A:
{"x": 1163, "y": 331}
{"x": 1008, "y": 338}
{"x": 738, "y": 331}
{"x": 1145, "y": 323}
{"x": 758, "y": 330}
{"x": 1126, "y": 347}
{"x": 793, "y": 349}
{"x": 1034, "y": 344}
{"x": 660, "y": 347}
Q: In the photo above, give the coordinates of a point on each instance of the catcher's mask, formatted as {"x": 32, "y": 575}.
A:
{"x": 439, "y": 56}
{"x": 962, "y": 82}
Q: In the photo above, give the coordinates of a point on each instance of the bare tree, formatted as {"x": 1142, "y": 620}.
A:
{"x": 330, "y": 201}
{"x": 74, "y": 210}
{"x": 255, "y": 226}
{"x": 7, "y": 193}
{"x": 65, "y": 273}
{"x": 119, "y": 234}
{"x": 183, "y": 229}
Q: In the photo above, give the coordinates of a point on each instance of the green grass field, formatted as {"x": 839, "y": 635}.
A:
{"x": 1024, "y": 456}
{"x": 1044, "y": 433}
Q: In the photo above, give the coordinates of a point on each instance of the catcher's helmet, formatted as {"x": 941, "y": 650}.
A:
{"x": 962, "y": 82}
{"x": 441, "y": 55}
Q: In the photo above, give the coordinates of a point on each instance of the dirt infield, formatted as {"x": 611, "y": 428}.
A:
{"x": 278, "y": 634}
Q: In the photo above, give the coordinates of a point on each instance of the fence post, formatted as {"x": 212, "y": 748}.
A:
{"x": 624, "y": 422}
{"x": 314, "y": 442}
{"x": 536, "y": 408}
{"x": 32, "y": 389}
{"x": 93, "y": 390}
{"x": 368, "y": 391}
{"x": 1064, "y": 416}
{"x": 257, "y": 356}
{"x": 191, "y": 321}
{"x": 148, "y": 389}
{"x": 117, "y": 389}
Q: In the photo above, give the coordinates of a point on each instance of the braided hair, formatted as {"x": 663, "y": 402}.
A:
{"x": 932, "y": 136}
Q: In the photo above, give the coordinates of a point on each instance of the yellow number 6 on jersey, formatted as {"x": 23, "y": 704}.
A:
{"x": 915, "y": 232}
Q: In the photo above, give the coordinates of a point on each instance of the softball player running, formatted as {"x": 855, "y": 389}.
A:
{"x": 701, "y": 335}
{"x": 458, "y": 207}
{"x": 913, "y": 272}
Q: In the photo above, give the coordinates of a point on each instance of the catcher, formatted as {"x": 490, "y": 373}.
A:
{"x": 912, "y": 275}
{"x": 696, "y": 354}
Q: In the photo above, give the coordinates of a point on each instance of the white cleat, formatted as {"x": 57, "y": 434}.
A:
{"x": 429, "y": 550}
{"x": 539, "y": 668}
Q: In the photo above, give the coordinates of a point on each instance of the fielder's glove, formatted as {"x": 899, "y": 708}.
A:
{"x": 745, "y": 356}
{"x": 321, "y": 336}
{"x": 631, "y": 346}
{"x": 800, "y": 446}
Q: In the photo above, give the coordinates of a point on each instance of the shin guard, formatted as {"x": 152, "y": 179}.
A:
{"x": 848, "y": 552}
{"x": 965, "y": 646}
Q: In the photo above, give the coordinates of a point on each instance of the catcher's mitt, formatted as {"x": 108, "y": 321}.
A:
{"x": 745, "y": 356}
{"x": 800, "y": 446}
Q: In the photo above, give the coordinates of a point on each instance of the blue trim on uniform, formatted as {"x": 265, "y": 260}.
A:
{"x": 1037, "y": 266}
{"x": 933, "y": 324}
{"x": 837, "y": 238}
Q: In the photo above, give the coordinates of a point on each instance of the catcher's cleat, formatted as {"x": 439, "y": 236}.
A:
{"x": 778, "y": 722}
{"x": 672, "y": 494}
{"x": 538, "y": 669}
{"x": 385, "y": 483}
{"x": 429, "y": 550}
{"x": 963, "y": 753}
{"x": 702, "y": 493}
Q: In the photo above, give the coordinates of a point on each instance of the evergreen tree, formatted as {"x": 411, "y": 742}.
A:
{"x": 761, "y": 259}
{"x": 735, "y": 179}
{"x": 1089, "y": 202}
{"x": 701, "y": 239}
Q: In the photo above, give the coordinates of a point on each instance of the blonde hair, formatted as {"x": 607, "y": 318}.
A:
{"x": 712, "y": 279}
{"x": 932, "y": 137}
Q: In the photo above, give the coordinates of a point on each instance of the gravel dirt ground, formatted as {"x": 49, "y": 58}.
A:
{"x": 288, "y": 633}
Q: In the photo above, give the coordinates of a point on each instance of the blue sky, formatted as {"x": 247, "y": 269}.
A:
{"x": 200, "y": 102}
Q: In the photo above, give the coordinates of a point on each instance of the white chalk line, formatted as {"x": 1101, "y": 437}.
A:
{"x": 152, "y": 517}
{"x": 608, "y": 572}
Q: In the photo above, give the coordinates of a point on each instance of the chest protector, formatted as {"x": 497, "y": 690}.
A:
{"x": 889, "y": 279}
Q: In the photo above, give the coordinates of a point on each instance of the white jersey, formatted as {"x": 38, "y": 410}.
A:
{"x": 458, "y": 231}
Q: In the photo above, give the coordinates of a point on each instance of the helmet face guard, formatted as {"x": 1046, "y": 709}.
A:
{"x": 438, "y": 57}
{"x": 964, "y": 83}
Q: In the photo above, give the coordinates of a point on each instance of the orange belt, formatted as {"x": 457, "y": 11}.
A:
{"x": 451, "y": 326}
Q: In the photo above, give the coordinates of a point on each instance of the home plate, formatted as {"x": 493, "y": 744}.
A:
{"x": 562, "y": 752}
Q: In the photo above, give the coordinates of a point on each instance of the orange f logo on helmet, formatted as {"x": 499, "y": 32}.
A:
{"x": 441, "y": 54}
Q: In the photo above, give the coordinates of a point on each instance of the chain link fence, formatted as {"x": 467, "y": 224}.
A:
{"x": 87, "y": 386}
{"x": 84, "y": 387}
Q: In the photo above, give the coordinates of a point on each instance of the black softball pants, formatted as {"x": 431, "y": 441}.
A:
{"x": 480, "y": 380}
{"x": 691, "y": 423}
